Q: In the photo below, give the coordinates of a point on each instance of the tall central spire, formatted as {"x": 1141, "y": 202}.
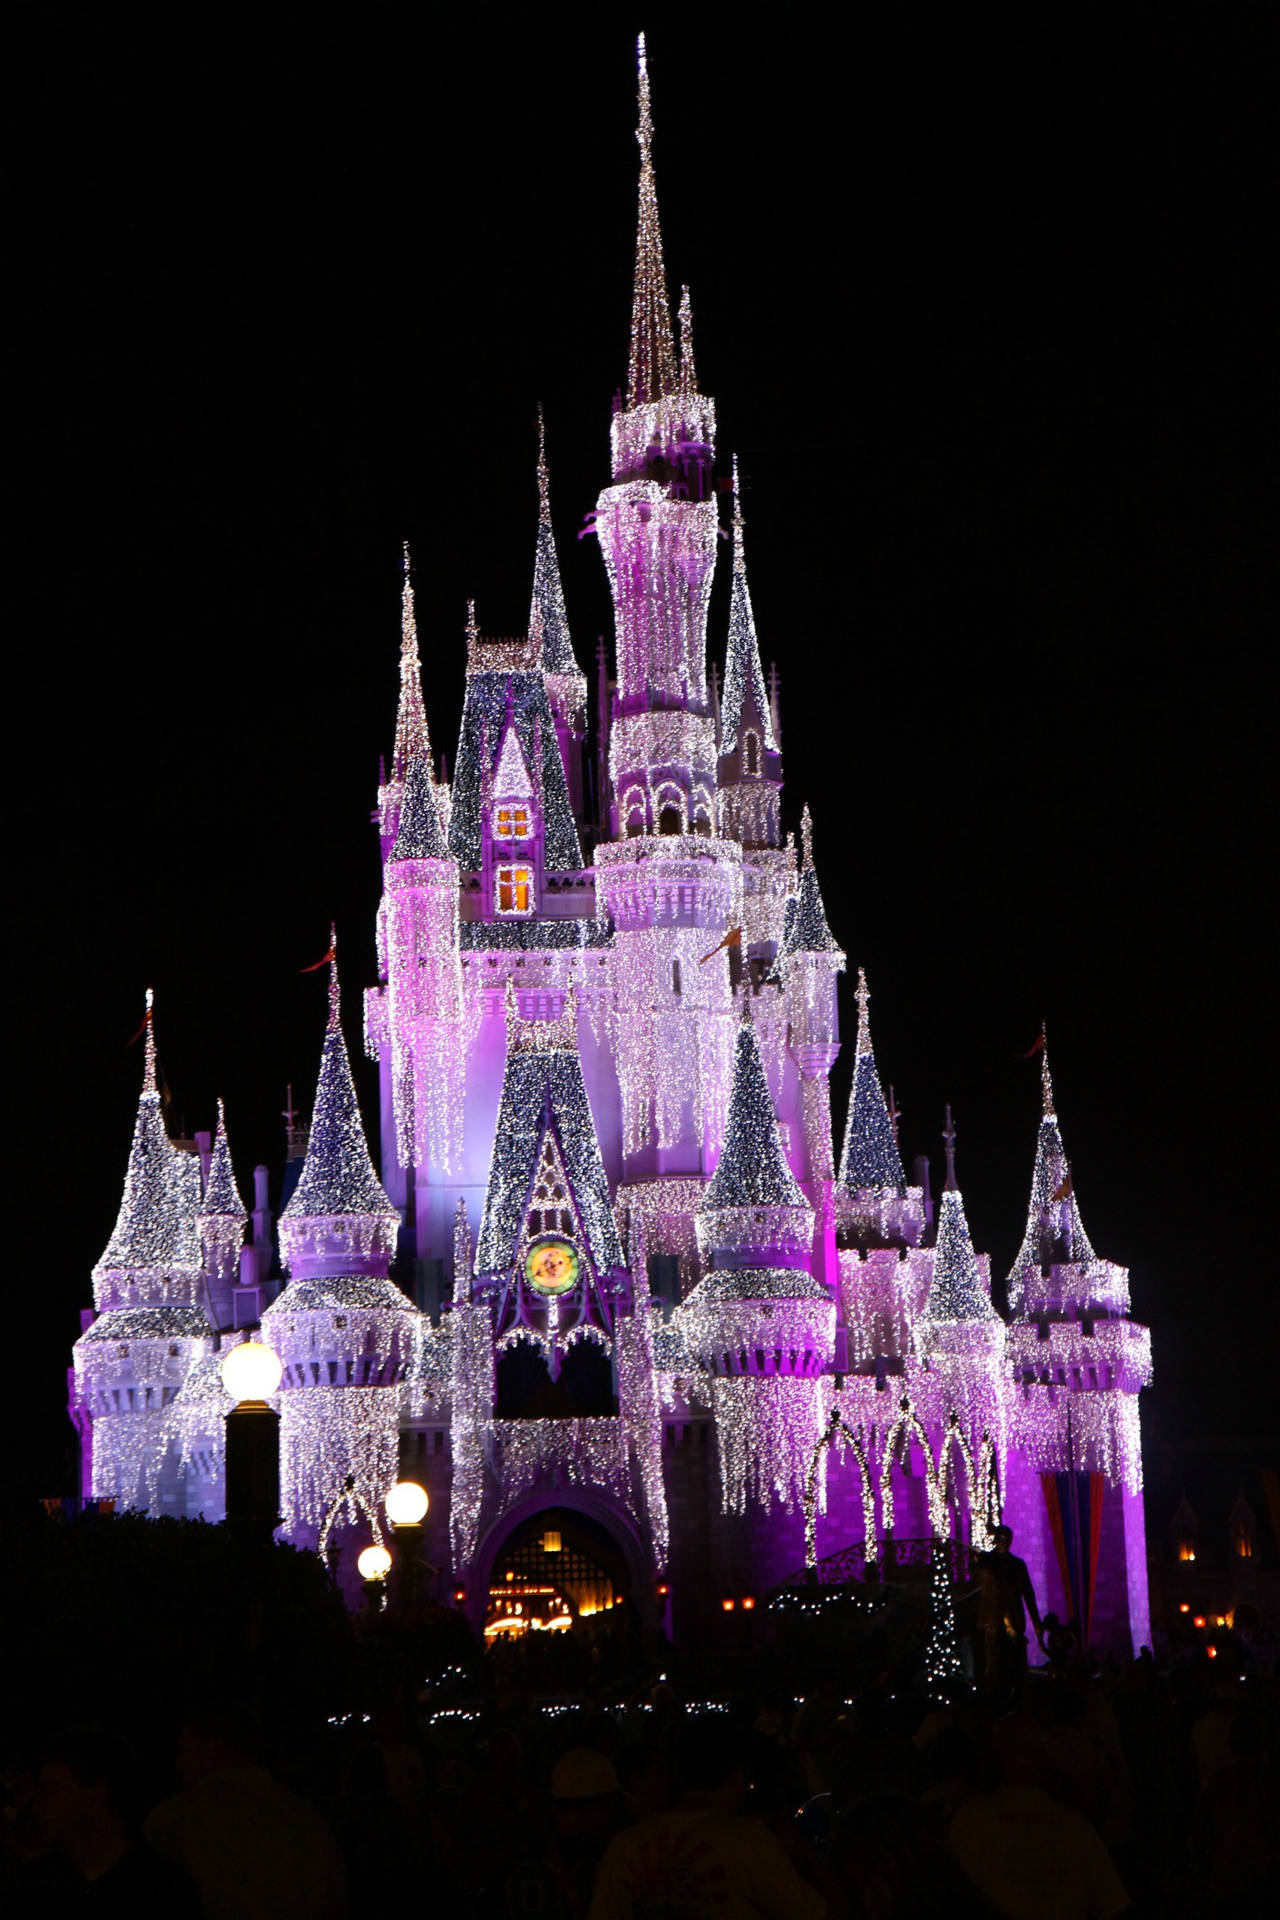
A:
{"x": 653, "y": 362}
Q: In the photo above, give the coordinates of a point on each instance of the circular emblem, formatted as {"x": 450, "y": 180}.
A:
{"x": 551, "y": 1266}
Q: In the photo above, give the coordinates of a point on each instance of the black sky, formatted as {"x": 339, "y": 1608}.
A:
{"x": 984, "y": 310}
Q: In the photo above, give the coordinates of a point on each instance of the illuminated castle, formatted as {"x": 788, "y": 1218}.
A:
{"x": 613, "y": 1297}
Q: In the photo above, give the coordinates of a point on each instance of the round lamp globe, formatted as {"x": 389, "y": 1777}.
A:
{"x": 406, "y": 1504}
{"x": 374, "y": 1563}
{"x": 251, "y": 1371}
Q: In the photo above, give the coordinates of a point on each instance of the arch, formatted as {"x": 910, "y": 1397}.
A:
{"x": 907, "y": 1427}
{"x": 990, "y": 1507}
{"x": 632, "y": 812}
{"x": 751, "y": 751}
{"x": 953, "y": 1442}
{"x": 606, "y": 1513}
{"x": 837, "y": 1425}
{"x": 671, "y": 809}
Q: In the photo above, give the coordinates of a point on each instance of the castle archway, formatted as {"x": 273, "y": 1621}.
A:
{"x": 567, "y": 1557}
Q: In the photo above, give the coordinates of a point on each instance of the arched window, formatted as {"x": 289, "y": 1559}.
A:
{"x": 670, "y": 819}
{"x": 751, "y": 752}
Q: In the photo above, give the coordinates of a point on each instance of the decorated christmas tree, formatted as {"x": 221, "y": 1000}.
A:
{"x": 943, "y": 1672}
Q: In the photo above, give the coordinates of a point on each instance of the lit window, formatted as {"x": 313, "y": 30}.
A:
{"x": 513, "y": 823}
{"x": 752, "y": 755}
{"x": 515, "y": 890}
{"x": 1244, "y": 1545}
{"x": 1186, "y": 1550}
{"x": 551, "y": 1542}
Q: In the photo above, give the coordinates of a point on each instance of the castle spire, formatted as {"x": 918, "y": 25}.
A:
{"x": 807, "y": 930}
{"x": 744, "y": 690}
{"x": 547, "y": 616}
{"x": 155, "y": 1230}
{"x": 870, "y": 1160}
{"x": 337, "y": 1178}
{"x": 221, "y": 1198}
{"x": 688, "y": 371}
{"x": 948, "y": 1146}
{"x": 1054, "y": 1234}
{"x": 956, "y": 1292}
{"x": 419, "y": 835}
{"x": 752, "y": 1170}
{"x": 411, "y": 717}
{"x": 652, "y": 372}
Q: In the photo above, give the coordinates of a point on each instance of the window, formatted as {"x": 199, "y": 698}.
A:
{"x": 671, "y": 820}
{"x": 675, "y": 978}
{"x": 752, "y": 754}
{"x": 515, "y": 890}
{"x": 513, "y": 823}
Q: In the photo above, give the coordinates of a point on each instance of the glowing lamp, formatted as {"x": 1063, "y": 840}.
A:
{"x": 1199, "y": 1621}
{"x": 663, "y": 1590}
{"x": 1212, "y": 1652}
{"x": 251, "y": 1372}
{"x": 727, "y": 1605}
{"x": 748, "y": 1602}
{"x": 459, "y": 1595}
{"x": 1184, "y": 1606}
{"x": 406, "y": 1504}
{"x": 374, "y": 1563}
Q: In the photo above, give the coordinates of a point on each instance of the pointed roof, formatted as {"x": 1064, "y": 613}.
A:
{"x": 221, "y": 1199}
{"x": 652, "y": 371}
{"x": 543, "y": 1091}
{"x": 870, "y": 1158}
{"x": 337, "y": 1175}
{"x": 752, "y": 1170}
{"x": 744, "y": 690}
{"x": 156, "y": 1225}
{"x": 491, "y": 698}
{"x": 547, "y": 614}
{"x": 411, "y": 716}
{"x": 1054, "y": 1234}
{"x": 956, "y": 1291}
{"x": 511, "y": 775}
{"x": 418, "y": 831}
{"x": 806, "y": 929}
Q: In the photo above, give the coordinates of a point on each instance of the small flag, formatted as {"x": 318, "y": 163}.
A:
{"x": 323, "y": 961}
{"x": 1033, "y": 1050}
{"x": 146, "y": 1022}
{"x": 732, "y": 939}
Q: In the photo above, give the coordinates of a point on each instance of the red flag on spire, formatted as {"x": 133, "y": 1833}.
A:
{"x": 323, "y": 961}
{"x": 1033, "y": 1050}
{"x": 732, "y": 939}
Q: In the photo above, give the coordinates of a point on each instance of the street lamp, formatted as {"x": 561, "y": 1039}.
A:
{"x": 251, "y": 1373}
{"x": 373, "y": 1566}
{"x": 406, "y": 1505}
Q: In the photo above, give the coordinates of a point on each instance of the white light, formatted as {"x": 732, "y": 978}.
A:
{"x": 406, "y": 1503}
{"x": 251, "y": 1371}
{"x": 374, "y": 1563}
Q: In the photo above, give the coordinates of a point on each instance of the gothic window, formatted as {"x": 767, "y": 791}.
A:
{"x": 514, "y": 892}
{"x": 670, "y": 819}
{"x": 513, "y": 823}
{"x": 751, "y": 752}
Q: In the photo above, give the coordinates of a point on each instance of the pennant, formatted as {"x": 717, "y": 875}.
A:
{"x": 732, "y": 939}
{"x": 323, "y": 961}
{"x": 1032, "y": 1051}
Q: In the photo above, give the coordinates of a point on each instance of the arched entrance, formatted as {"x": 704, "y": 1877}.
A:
{"x": 600, "y": 1572}
{"x": 558, "y": 1567}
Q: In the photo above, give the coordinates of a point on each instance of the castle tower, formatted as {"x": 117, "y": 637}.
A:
{"x": 749, "y": 765}
{"x": 222, "y": 1220}
{"x": 150, "y": 1324}
{"x": 758, "y": 1320}
{"x": 412, "y": 739}
{"x": 658, "y": 528}
{"x": 1078, "y": 1363}
{"x": 343, "y": 1330}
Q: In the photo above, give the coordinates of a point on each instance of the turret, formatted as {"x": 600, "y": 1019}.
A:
{"x": 658, "y": 529}
{"x": 749, "y": 769}
{"x": 152, "y": 1324}
{"x": 412, "y": 739}
{"x": 222, "y": 1220}
{"x": 877, "y": 1207}
{"x": 342, "y": 1328}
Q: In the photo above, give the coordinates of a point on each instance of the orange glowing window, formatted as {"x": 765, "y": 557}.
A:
{"x": 513, "y": 823}
{"x": 1186, "y": 1551}
{"x": 1244, "y": 1545}
{"x": 727, "y": 1605}
{"x": 1212, "y": 1652}
{"x": 515, "y": 890}
{"x": 1199, "y": 1621}
{"x": 1184, "y": 1606}
{"x": 748, "y": 1603}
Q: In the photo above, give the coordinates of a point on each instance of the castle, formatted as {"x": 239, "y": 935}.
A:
{"x": 648, "y": 1337}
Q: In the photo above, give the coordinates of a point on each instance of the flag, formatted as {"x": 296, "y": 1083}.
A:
{"x": 732, "y": 939}
{"x": 323, "y": 961}
{"x": 1033, "y": 1050}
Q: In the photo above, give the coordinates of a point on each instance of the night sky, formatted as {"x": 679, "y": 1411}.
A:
{"x": 983, "y": 315}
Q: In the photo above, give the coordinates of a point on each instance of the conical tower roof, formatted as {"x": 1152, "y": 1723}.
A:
{"x": 752, "y": 1170}
{"x": 806, "y": 929}
{"x": 412, "y": 737}
{"x": 956, "y": 1292}
{"x": 547, "y": 614}
{"x": 156, "y": 1226}
{"x": 221, "y": 1198}
{"x": 744, "y": 689}
{"x": 1054, "y": 1233}
{"x": 419, "y": 835}
{"x": 337, "y": 1175}
{"x": 652, "y": 370}
{"x": 870, "y": 1160}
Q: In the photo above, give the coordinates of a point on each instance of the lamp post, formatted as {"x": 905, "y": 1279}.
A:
{"x": 250, "y": 1374}
{"x": 406, "y": 1505}
{"x": 373, "y": 1566}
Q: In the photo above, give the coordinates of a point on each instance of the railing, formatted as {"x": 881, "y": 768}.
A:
{"x": 891, "y": 1559}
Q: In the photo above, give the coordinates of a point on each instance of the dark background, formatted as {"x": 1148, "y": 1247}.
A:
{"x": 983, "y": 306}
